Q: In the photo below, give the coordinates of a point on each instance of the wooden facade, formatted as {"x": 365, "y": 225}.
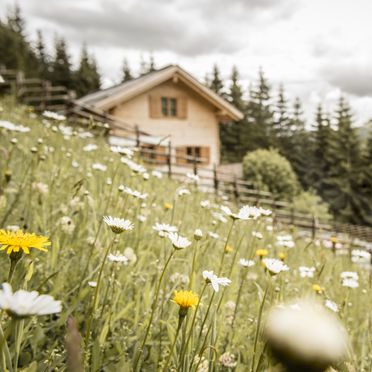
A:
{"x": 170, "y": 104}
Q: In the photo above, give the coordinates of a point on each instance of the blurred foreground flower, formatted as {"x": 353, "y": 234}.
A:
{"x": 22, "y": 303}
{"x": 18, "y": 241}
{"x": 305, "y": 337}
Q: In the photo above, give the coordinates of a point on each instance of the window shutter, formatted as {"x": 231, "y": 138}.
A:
{"x": 182, "y": 107}
{"x": 181, "y": 154}
{"x": 205, "y": 154}
{"x": 155, "y": 106}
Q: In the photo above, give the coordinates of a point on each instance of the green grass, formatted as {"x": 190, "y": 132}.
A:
{"x": 127, "y": 292}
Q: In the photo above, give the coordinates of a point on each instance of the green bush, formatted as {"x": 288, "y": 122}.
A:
{"x": 309, "y": 202}
{"x": 269, "y": 171}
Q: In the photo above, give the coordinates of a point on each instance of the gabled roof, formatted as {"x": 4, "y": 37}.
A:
{"x": 111, "y": 97}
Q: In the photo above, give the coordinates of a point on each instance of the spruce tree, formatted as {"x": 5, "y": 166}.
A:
{"x": 61, "y": 73}
{"x": 216, "y": 83}
{"x": 259, "y": 115}
{"x": 42, "y": 56}
{"x": 280, "y": 123}
{"x": 126, "y": 72}
{"x": 87, "y": 78}
{"x": 230, "y": 133}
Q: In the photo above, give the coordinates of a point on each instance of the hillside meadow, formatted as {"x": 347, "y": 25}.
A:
{"x": 172, "y": 279}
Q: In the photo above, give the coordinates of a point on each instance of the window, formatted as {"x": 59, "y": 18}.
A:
{"x": 169, "y": 106}
{"x": 193, "y": 152}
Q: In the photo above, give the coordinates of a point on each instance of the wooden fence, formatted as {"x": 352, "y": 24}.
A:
{"x": 42, "y": 95}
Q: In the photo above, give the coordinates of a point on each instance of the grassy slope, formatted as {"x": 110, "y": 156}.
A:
{"x": 84, "y": 195}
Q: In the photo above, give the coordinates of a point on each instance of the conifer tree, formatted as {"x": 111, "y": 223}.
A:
{"x": 61, "y": 73}
{"x": 152, "y": 66}
{"x": 280, "y": 122}
{"x": 126, "y": 72}
{"x": 216, "y": 83}
{"x": 87, "y": 78}
{"x": 42, "y": 56}
{"x": 259, "y": 115}
{"x": 230, "y": 133}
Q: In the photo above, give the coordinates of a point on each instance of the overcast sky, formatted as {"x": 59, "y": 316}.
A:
{"x": 316, "y": 48}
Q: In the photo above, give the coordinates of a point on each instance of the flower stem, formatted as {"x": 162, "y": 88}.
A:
{"x": 4, "y": 345}
{"x": 137, "y": 366}
{"x": 95, "y": 298}
{"x": 258, "y": 327}
{"x": 184, "y": 348}
{"x": 180, "y": 320}
{"x": 191, "y": 279}
{"x": 224, "y": 248}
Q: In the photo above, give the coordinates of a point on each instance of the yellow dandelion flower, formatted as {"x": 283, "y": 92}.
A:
{"x": 333, "y": 239}
{"x": 229, "y": 249}
{"x": 317, "y": 288}
{"x": 282, "y": 256}
{"x": 262, "y": 252}
{"x": 185, "y": 299}
{"x": 168, "y": 206}
{"x": 19, "y": 241}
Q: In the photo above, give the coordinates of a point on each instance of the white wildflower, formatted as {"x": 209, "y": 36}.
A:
{"x": 21, "y": 303}
{"x": 213, "y": 235}
{"x": 118, "y": 225}
{"x": 90, "y": 147}
{"x": 246, "y": 263}
{"x": 306, "y": 272}
{"x": 214, "y": 280}
{"x": 54, "y": 115}
{"x": 228, "y": 360}
{"x": 133, "y": 193}
{"x": 67, "y": 225}
{"x": 40, "y": 187}
{"x": 13, "y": 127}
{"x": 331, "y": 305}
{"x": 119, "y": 258}
{"x": 164, "y": 227}
{"x": 274, "y": 266}
{"x": 198, "y": 234}
{"x": 178, "y": 241}
{"x": 99, "y": 166}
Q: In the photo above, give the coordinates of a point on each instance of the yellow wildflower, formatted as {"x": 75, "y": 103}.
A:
{"x": 262, "y": 252}
{"x": 168, "y": 205}
{"x": 229, "y": 249}
{"x": 317, "y": 288}
{"x": 16, "y": 241}
{"x": 333, "y": 239}
{"x": 185, "y": 299}
{"x": 282, "y": 256}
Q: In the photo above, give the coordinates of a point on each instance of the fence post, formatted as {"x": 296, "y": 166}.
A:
{"x": 313, "y": 228}
{"x": 169, "y": 159}
{"x": 215, "y": 178}
{"x": 137, "y": 136}
{"x": 236, "y": 191}
{"x": 195, "y": 165}
{"x": 292, "y": 216}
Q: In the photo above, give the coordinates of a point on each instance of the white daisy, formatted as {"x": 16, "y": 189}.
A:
{"x": 134, "y": 193}
{"x": 306, "y": 272}
{"x": 193, "y": 177}
{"x": 157, "y": 174}
{"x": 90, "y": 147}
{"x": 350, "y": 283}
{"x": 359, "y": 256}
{"x": 213, "y": 235}
{"x": 118, "y": 258}
{"x": 92, "y": 284}
{"x": 122, "y": 151}
{"x": 198, "y": 234}
{"x": 99, "y": 166}
{"x": 274, "y": 266}
{"x": 136, "y": 168}
{"x": 178, "y": 241}
{"x": 118, "y": 225}
{"x": 246, "y": 263}
{"x": 13, "y": 127}
{"x": 21, "y": 303}
{"x": 164, "y": 227}
{"x": 205, "y": 204}
{"x": 214, "y": 280}
{"x": 349, "y": 275}
{"x": 331, "y": 305}
{"x": 257, "y": 234}
{"x": 182, "y": 192}
{"x": 54, "y": 115}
